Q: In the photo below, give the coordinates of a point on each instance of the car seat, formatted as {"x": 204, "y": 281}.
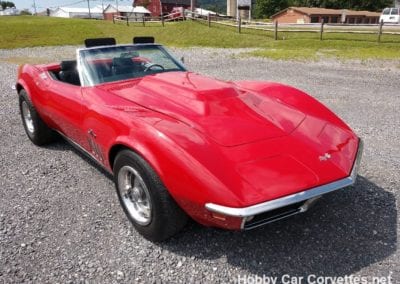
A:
{"x": 69, "y": 73}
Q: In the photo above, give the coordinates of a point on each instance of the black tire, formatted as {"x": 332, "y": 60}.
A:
{"x": 166, "y": 217}
{"x": 38, "y": 132}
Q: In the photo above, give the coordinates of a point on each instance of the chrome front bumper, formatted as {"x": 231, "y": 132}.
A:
{"x": 303, "y": 199}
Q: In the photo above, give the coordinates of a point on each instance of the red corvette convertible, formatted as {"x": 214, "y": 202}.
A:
{"x": 234, "y": 155}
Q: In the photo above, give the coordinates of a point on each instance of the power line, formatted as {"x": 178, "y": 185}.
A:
{"x": 69, "y": 4}
{"x": 83, "y": 1}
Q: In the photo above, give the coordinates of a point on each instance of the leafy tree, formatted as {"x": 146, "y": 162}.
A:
{"x": 218, "y": 6}
{"x": 6, "y": 4}
{"x": 266, "y": 8}
{"x": 25, "y": 12}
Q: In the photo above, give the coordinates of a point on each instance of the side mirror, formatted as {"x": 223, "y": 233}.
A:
{"x": 183, "y": 60}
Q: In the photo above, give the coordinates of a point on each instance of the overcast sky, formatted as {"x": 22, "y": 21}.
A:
{"x": 43, "y": 4}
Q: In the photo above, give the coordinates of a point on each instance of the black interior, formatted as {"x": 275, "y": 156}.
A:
{"x": 122, "y": 65}
{"x": 69, "y": 72}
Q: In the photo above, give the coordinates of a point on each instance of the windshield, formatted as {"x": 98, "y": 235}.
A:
{"x": 115, "y": 63}
{"x": 386, "y": 11}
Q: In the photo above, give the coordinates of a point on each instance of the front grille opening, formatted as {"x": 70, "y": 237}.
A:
{"x": 274, "y": 215}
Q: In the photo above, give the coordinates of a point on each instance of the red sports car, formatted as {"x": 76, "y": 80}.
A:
{"x": 234, "y": 155}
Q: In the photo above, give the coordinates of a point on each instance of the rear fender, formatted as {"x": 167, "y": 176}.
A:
{"x": 26, "y": 75}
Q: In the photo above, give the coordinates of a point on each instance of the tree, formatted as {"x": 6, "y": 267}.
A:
{"x": 218, "y": 6}
{"x": 266, "y": 8}
{"x": 6, "y": 4}
{"x": 25, "y": 12}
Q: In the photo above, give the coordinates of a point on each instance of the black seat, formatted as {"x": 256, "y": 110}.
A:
{"x": 91, "y": 42}
{"x": 69, "y": 73}
{"x": 124, "y": 66}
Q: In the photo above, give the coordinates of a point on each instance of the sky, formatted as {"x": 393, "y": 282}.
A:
{"x": 43, "y": 4}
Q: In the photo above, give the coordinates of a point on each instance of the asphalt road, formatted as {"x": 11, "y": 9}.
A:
{"x": 60, "y": 220}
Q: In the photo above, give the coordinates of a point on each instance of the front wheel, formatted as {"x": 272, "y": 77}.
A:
{"x": 145, "y": 200}
{"x": 36, "y": 129}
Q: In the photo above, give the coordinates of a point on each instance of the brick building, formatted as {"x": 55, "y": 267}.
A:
{"x": 300, "y": 15}
{"x": 162, "y": 7}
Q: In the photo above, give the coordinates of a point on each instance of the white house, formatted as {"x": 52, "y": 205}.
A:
{"x": 133, "y": 12}
{"x": 9, "y": 12}
{"x": 77, "y": 12}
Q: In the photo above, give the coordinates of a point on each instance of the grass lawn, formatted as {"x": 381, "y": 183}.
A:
{"x": 29, "y": 31}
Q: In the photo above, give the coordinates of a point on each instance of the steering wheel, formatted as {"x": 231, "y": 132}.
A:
{"x": 151, "y": 65}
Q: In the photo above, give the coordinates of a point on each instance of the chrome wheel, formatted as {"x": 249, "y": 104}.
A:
{"x": 134, "y": 195}
{"x": 26, "y": 114}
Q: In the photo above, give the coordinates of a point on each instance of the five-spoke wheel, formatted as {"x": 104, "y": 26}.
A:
{"x": 144, "y": 198}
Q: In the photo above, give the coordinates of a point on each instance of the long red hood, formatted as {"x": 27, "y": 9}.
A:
{"x": 223, "y": 112}
{"x": 277, "y": 139}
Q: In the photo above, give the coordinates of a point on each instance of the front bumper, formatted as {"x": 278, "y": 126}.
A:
{"x": 277, "y": 209}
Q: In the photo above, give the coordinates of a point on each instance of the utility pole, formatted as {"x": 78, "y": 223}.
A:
{"x": 102, "y": 9}
{"x": 116, "y": 3}
{"x": 34, "y": 7}
{"x": 88, "y": 4}
{"x": 192, "y": 5}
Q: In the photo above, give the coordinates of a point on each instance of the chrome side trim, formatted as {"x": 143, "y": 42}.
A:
{"x": 293, "y": 198}
{"x": 83, "y": 151}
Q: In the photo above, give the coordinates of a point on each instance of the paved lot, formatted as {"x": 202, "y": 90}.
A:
{"x": 60, "y": 220}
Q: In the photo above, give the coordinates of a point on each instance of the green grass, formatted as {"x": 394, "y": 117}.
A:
{"x": 28, "y": 31}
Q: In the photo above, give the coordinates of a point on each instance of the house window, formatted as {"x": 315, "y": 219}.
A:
{"x": 334, "y": 19}
{"x": 326, "y": 19}
{"x": 314, "y": 19}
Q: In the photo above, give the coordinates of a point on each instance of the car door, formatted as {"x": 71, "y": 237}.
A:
{"x": 64, "y": 108}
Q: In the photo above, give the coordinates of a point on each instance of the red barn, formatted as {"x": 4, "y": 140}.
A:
{"x": 162, "y": 7}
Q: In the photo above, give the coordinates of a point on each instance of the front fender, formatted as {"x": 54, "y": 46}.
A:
{"x": 194, "y": 170}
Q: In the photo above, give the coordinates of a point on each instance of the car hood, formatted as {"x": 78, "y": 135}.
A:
{"x": 264, "y": 140}
{"x": 223, "y": 112}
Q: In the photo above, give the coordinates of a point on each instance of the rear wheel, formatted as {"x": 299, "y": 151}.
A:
{"x": 144, "y": 198}
{"x": 38, "y": 132}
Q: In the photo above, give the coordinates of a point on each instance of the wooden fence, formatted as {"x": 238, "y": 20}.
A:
{"x": 146, "y": 19}
{"x": 275, "y": 28}
{"x": 320, "y": 28}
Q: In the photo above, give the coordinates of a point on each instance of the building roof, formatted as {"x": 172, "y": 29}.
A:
{"x": 141, "y": 10}
{"x": 126, "y": 9}
{"x": 204, "y": 12}
{"x": 95, "y": 10}
{"x": 311, "y": 11}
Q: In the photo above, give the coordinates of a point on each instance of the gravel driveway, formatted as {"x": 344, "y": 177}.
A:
{"x": 60, "y": 220}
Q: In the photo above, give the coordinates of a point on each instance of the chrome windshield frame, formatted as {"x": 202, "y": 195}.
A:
{"x": 86, "y": 82}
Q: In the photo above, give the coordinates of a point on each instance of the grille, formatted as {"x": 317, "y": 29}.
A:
{"x": 274, "y": 215}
